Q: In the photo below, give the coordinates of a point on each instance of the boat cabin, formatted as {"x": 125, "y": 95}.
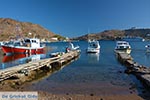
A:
{"x": 122, "y": 45}
{"x": 34, "y": 43}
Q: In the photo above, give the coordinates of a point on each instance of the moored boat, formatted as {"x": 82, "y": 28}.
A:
{"x": 93, "y": 46}
{"x": 147, "y": 48}
{"x": 27, "y": 45}
{"x": 123, "y": 46}
{"x": 71, "y": 47}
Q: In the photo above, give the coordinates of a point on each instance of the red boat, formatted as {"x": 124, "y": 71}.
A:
{"x": 28, "y": 45}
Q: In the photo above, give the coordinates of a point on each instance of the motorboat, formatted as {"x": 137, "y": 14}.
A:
{"x": 147, "y": 48}
{"x": 27, "y": 45}
{"x": 93, "y": 46}
{"x": 123, "y": 46}
{"x": 71, "y": 47}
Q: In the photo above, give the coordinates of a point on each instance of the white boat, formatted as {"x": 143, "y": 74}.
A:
{"x": 93, "y": 46}
{"x": 123, "y": 46}
{"x": 71, "y": 47}
{"x": 147, "y": 48}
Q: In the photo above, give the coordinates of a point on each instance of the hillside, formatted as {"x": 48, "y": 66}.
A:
{"x": 10, "y": 28}
{"x": 116, "y": 34}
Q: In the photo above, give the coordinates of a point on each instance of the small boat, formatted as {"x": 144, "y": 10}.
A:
{"x": 71, "y": 47}
{"x": 93, "y": 46}
{"x": 27, "y": 45}
{"x": 123, "y": 46}
{"x": 147, "y": 48}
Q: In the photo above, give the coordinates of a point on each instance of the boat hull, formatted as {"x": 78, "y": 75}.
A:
{"x": 93, "y": 50}
{"x": 10, "y": 49}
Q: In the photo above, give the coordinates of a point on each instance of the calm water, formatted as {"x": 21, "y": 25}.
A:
{"x": 92, "y": 71}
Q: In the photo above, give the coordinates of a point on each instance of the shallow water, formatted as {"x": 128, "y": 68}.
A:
{"x": 94, "y": 73}
{"x": 91, "y": 73}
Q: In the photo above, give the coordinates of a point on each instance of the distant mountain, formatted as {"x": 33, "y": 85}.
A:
{"x": 145, "y": 33}
{"x": 10, "y": 28}
{"x": 116, "y": 34}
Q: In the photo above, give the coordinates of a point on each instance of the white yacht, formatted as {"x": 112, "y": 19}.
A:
{"x": 93, "y": 46}
{"x": 123, "y": 46}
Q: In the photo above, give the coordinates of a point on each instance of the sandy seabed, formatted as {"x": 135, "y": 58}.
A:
{"x": 48, "y": 96}
{"x": 48, "y": 90}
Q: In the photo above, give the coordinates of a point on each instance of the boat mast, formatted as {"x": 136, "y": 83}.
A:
{"x": 18, "y": 32}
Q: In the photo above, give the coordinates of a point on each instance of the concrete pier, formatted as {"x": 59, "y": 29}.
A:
{"x": 49, "y": 63}
{"x": 140, "y": 71}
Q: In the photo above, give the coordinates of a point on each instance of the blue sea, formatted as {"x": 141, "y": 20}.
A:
{"x": 91, "y": 73}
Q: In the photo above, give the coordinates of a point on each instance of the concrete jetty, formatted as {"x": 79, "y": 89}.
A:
{"x": 60, "y": 60}
{"x": 140, "y": 71}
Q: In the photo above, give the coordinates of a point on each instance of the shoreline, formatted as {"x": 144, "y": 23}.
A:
{"x": 106, "y": 93}
{"x": 91, "y": 95}
{"x": 83, "y": 91}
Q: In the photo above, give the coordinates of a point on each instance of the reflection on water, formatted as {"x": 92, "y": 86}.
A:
{"x": 146, "y": 60}
{"x": 16, "y": 59}
{"x": 88, "y": 69}
{"x": 8, "y": 58}
{"x": 93, "y": 57}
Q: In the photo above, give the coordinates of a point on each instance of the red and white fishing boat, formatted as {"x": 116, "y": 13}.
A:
{"x": 27, "y": 45}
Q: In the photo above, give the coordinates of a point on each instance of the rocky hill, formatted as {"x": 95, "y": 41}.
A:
{"x": 10, "y": 28}
{"x": 116, "y": 34}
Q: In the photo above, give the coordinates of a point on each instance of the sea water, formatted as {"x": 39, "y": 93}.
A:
{"x": 97, "y": 73}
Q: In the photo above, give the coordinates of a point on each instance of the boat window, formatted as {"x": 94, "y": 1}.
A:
{"x": 122, "y": 47}
{"x": 34, "y": 41}
{"x": 122, "y": 43}
{"x": 119, "y": 43}
{"x": 17, "y": 44}
{"x": 27, "y": 40}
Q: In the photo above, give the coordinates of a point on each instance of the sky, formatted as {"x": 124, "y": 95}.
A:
{"x": 73, "y": 18}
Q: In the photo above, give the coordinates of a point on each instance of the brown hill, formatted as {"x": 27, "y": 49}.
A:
{"x": 116, "y": 34}
{"x": 10, "y": 28}
{"x": 106, "y": 35}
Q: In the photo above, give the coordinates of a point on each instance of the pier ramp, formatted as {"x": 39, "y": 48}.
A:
{"x": 49, "y": 63}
